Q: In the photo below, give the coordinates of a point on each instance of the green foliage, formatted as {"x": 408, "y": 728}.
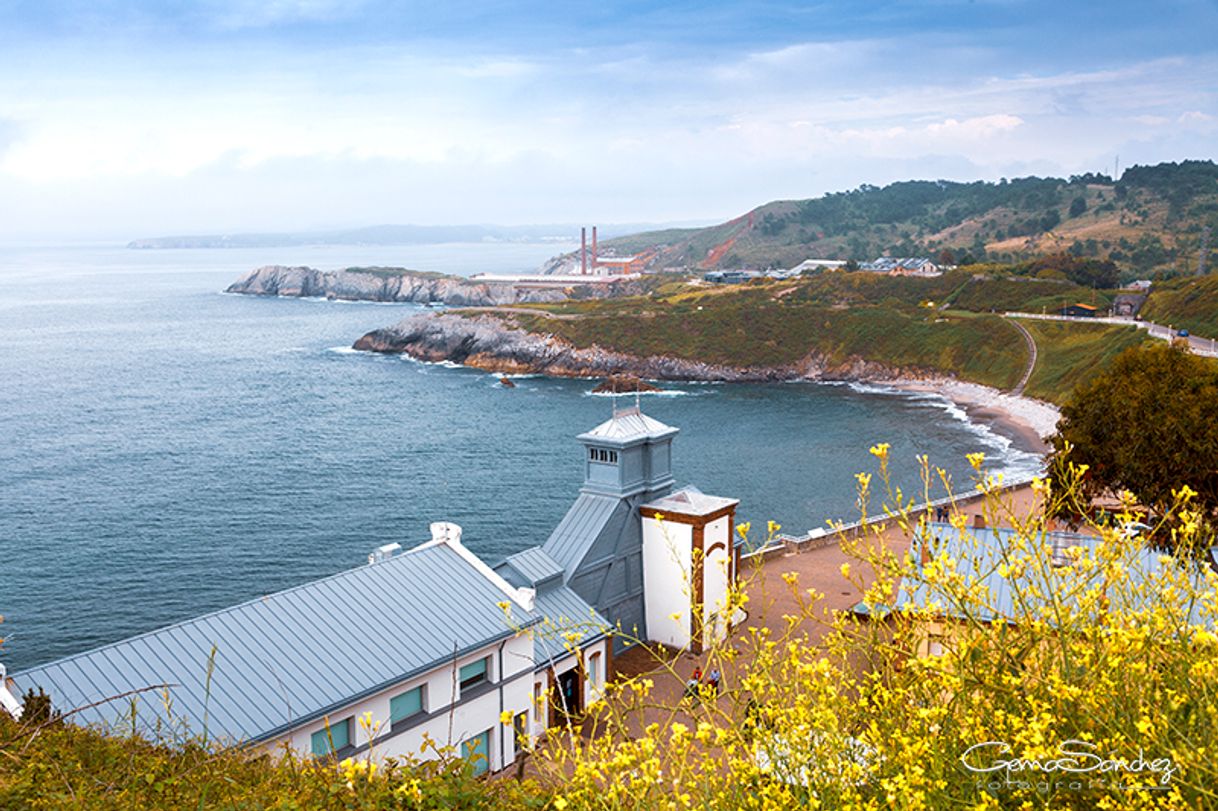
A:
{"x": 1097, "y": 273}
{"x": 65, "y": 766}
{"x": 1078, "y": 206}
{"x": 1146, "y": 424}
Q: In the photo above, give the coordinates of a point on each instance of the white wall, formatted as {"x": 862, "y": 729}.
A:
{"x": 715, "y": 570}
{"x": 667, "y": 580}
{"x": 465, "y": 720}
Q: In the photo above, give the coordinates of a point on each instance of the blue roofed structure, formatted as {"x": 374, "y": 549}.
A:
{"x": 979, "y": 555}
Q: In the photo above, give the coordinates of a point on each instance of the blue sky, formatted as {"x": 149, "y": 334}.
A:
{"x": 126, "y": 119}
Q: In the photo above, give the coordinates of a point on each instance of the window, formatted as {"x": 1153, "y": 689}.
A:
{"x": 594, "y": 669}
{"x": 538, "y": 701}
{"x": 602, "y": 455}
{"x": 477, "y": 750}
{"x": 520, "y": 728}
{"x": 935, "y": 645}
{"x": 406, "y": 705}
{"x": 473, "y": 674}
{"x": 334, "y": 737}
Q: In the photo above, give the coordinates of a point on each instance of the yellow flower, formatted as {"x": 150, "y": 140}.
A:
{"x": 846, "y": 570}
{"x": 976, "y": 460}
{"x": 505, "y": 717}
{"x": 880, "y": 451}
{"x": 773, "y": 527}
{"x": 742, "y": 529}
{"x": 560, "y": 803}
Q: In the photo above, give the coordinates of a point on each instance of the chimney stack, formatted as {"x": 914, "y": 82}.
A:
{"x": 583, "y": 251}
{"x": 594, "y": 249}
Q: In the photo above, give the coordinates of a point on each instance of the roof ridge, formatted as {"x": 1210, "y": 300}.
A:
{"x": 228, "y": 609}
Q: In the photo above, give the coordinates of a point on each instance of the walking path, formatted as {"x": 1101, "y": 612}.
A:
{"x": 1027, "y": 372}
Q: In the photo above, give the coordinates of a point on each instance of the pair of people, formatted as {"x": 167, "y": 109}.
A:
{"x": 695, "y": 681}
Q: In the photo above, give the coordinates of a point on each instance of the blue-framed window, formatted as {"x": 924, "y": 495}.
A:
{"x": 473, "y": 674}
{"x": 332, "y": 738}
{"x": 406, "y": 705}
{"x": 477, "y": 750}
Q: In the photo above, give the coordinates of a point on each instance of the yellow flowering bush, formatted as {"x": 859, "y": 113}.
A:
{"x": 973, "y": 674}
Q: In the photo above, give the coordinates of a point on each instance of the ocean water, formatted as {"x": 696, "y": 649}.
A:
{"x": 166, "y": 450}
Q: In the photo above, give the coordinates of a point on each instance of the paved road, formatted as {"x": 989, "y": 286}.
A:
{"x": 1200, "y": 346}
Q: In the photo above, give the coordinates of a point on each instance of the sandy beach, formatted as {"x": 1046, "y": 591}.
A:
{"x": 1027, "y": 422}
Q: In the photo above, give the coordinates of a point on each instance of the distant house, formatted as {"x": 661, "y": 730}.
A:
{"x": 812, "y": 265}
{"x": 731, "y": 276}
{"x": 1078, "y": 311}
{"x": 432, "y": 641}
{"x": 1141, "y": 284}
{"x": 903, "y": 266}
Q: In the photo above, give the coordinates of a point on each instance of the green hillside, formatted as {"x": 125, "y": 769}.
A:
{"x": 940, "y": 325}
{"x": 1149, "y": 221}
{"x": 1069, "y": 354}
{"x": 1190, "y": 303}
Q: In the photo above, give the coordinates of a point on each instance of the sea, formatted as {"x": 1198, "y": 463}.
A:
{"x": 167, "y": 449}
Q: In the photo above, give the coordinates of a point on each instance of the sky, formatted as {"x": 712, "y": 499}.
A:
{"x": 123, "y": 119}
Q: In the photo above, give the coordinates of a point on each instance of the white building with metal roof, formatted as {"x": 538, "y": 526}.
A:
{"x": 430, "y": 642}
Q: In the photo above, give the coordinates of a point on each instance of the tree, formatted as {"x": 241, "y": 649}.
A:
{"x": 1147, "y": 424}
{"x": 1077, "y": 206}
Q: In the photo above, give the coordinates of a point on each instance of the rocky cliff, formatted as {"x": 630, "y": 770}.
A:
{"x": 400, "y": 285}
{"x": 487, "y": 342}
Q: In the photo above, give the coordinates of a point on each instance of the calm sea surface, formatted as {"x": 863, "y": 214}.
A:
{"x": 166, "y": 450}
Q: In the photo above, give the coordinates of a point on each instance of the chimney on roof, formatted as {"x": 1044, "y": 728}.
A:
{"x": 382, "y": 553}
{"x": 583, "y": 250}
{"x": 446, "y": 532}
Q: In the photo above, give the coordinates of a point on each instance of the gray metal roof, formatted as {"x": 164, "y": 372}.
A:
{"x": 582, "y": 524}
{"x": 531, "y": 567}
{"x": 289, "y": 657}
{"x": 565, "y": 613}
{"x": 978, "y": 554}
{"x": 627, "y": 426}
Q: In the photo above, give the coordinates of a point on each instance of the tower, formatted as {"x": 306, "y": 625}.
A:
{"x": 599, "y": 542}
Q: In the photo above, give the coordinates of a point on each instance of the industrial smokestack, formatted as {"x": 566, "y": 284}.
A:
{"x": 594, "y": 249}
{"x": 583, "y": 250}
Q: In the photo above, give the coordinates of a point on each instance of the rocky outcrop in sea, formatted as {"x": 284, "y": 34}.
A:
{"x": 489, "y": 343}
{"x": 401, "y": 285}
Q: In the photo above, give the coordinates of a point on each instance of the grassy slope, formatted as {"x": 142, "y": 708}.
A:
{"x": 1070, "y": 353}
{"x": 1191, "y": 303}
{"x": 848, "y": 316}
{"x": 779, "y": 324}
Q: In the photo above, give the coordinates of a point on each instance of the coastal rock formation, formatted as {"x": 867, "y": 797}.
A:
{"x": 623, "y": 384}
{"x": 487, "y": 342}
{"x": 401, "y": 285}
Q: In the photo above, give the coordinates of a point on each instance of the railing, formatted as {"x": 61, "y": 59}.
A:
{"x": 822, "y": 537}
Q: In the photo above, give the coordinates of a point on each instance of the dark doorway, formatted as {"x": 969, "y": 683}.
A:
{"x": 570, "y": 693}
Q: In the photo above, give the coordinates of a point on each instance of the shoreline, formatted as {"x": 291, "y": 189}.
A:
{"x": 1027, "y": 422}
